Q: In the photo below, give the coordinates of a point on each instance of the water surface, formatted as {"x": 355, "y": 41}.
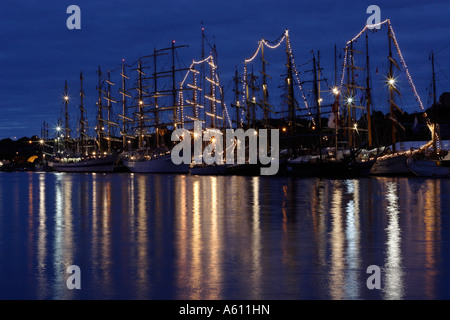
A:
{"x": 137, "y": 236}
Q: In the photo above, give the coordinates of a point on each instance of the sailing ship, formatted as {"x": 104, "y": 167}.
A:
{"x": 329, "y": 160}
{"x": 151, "y": 124}
{"x": 207, "y": 106}
{"x": 81, "y": 160}
{"x": 431, "y": 162}
{"x": 395, "y": 162}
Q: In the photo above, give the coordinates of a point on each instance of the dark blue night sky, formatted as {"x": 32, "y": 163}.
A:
{"x": 38, "y": 52}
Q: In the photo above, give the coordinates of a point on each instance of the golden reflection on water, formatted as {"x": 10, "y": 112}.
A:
{"x": 199, "y": 244}
{"x": 394, "y": 274}
{"x": 141, "y": 223}
{"x": 63, "y": 235}
{"x": 432, "y": 221}
{"x": 256, "y": 238}
{"x": 41, "y": 251}
{"x": 224, "y": 231}
{"x": 352, "y": 235}
{"x": 337, "y": 241}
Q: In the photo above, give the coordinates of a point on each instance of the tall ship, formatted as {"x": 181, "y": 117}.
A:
{"x": 157, "y": 113}
{"x": 393, "y": 161}
{"x": 85, "y": 154}
{"x": 434, "y": 160}
{"x": 202, "y": 94}
{"x": 334, "y": 148}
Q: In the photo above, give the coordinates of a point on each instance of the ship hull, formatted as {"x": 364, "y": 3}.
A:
{"x": 428, "y": 168}
{"x": 105, "y": 164}
{"x": 158, "y": 165}
{"x": 394, "y": 165}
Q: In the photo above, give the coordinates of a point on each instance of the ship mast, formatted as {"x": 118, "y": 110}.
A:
{"x": 336, "y": 104}
{"x": 352, "y": 111}
{"x": 66, "y": 116}
{"x": 237, "y": 93}
{"x": 391, "y": 94}
{"x": 99, "y": 128}
{"x": 352, "y": 86}
{"x": 83, "y": 124}
{"x": 125, "y": 95}
{"x": 173, "y": 91}
{"x": 291, "y": 100}
{"x": 203, "y": 72}
{"x": 155, "y": 97}
{"x": 368, "y": 95}
{"x": 264, "y": 103}
{"x": 433, "y": 132}
{"x": 109, "y": 111}
{"x": 212, "y": 97}
{"x": 318, "y": 99}
{"x": 251, "y": 103}
{"x": 140, "y": 114}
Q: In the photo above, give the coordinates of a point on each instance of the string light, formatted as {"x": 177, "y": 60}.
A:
{"x": 214, "y": 80}
{"x": 284, "y": 37}
{"x": 390, "y": 81}
{"x": 298, "y": 79}
{"x": 408, "y": 76}
{"x": 405, "y": 67}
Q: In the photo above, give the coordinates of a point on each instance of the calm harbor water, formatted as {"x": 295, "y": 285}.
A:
{"x": 190, "y": 237}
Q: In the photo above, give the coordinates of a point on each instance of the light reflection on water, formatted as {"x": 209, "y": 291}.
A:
{"x": 189, "y": 237}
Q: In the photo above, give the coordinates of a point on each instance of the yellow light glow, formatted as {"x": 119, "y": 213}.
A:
{"x": 335, "y": 91}
{"x": 284, "y": 129}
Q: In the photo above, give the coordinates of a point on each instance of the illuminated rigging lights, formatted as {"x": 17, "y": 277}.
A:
{"x": 408, "y": 76}
{"x": 215, "y": 81}
{"x": 391, "y": 82}
{"x": 284, "y": 37}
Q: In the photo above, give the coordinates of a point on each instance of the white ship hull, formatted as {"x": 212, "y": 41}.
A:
{"x": 391, "y": 165}
{"x": 105, "y": 164}
{"x": 158, "y": 165}
{"x": 428, "y": 168}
